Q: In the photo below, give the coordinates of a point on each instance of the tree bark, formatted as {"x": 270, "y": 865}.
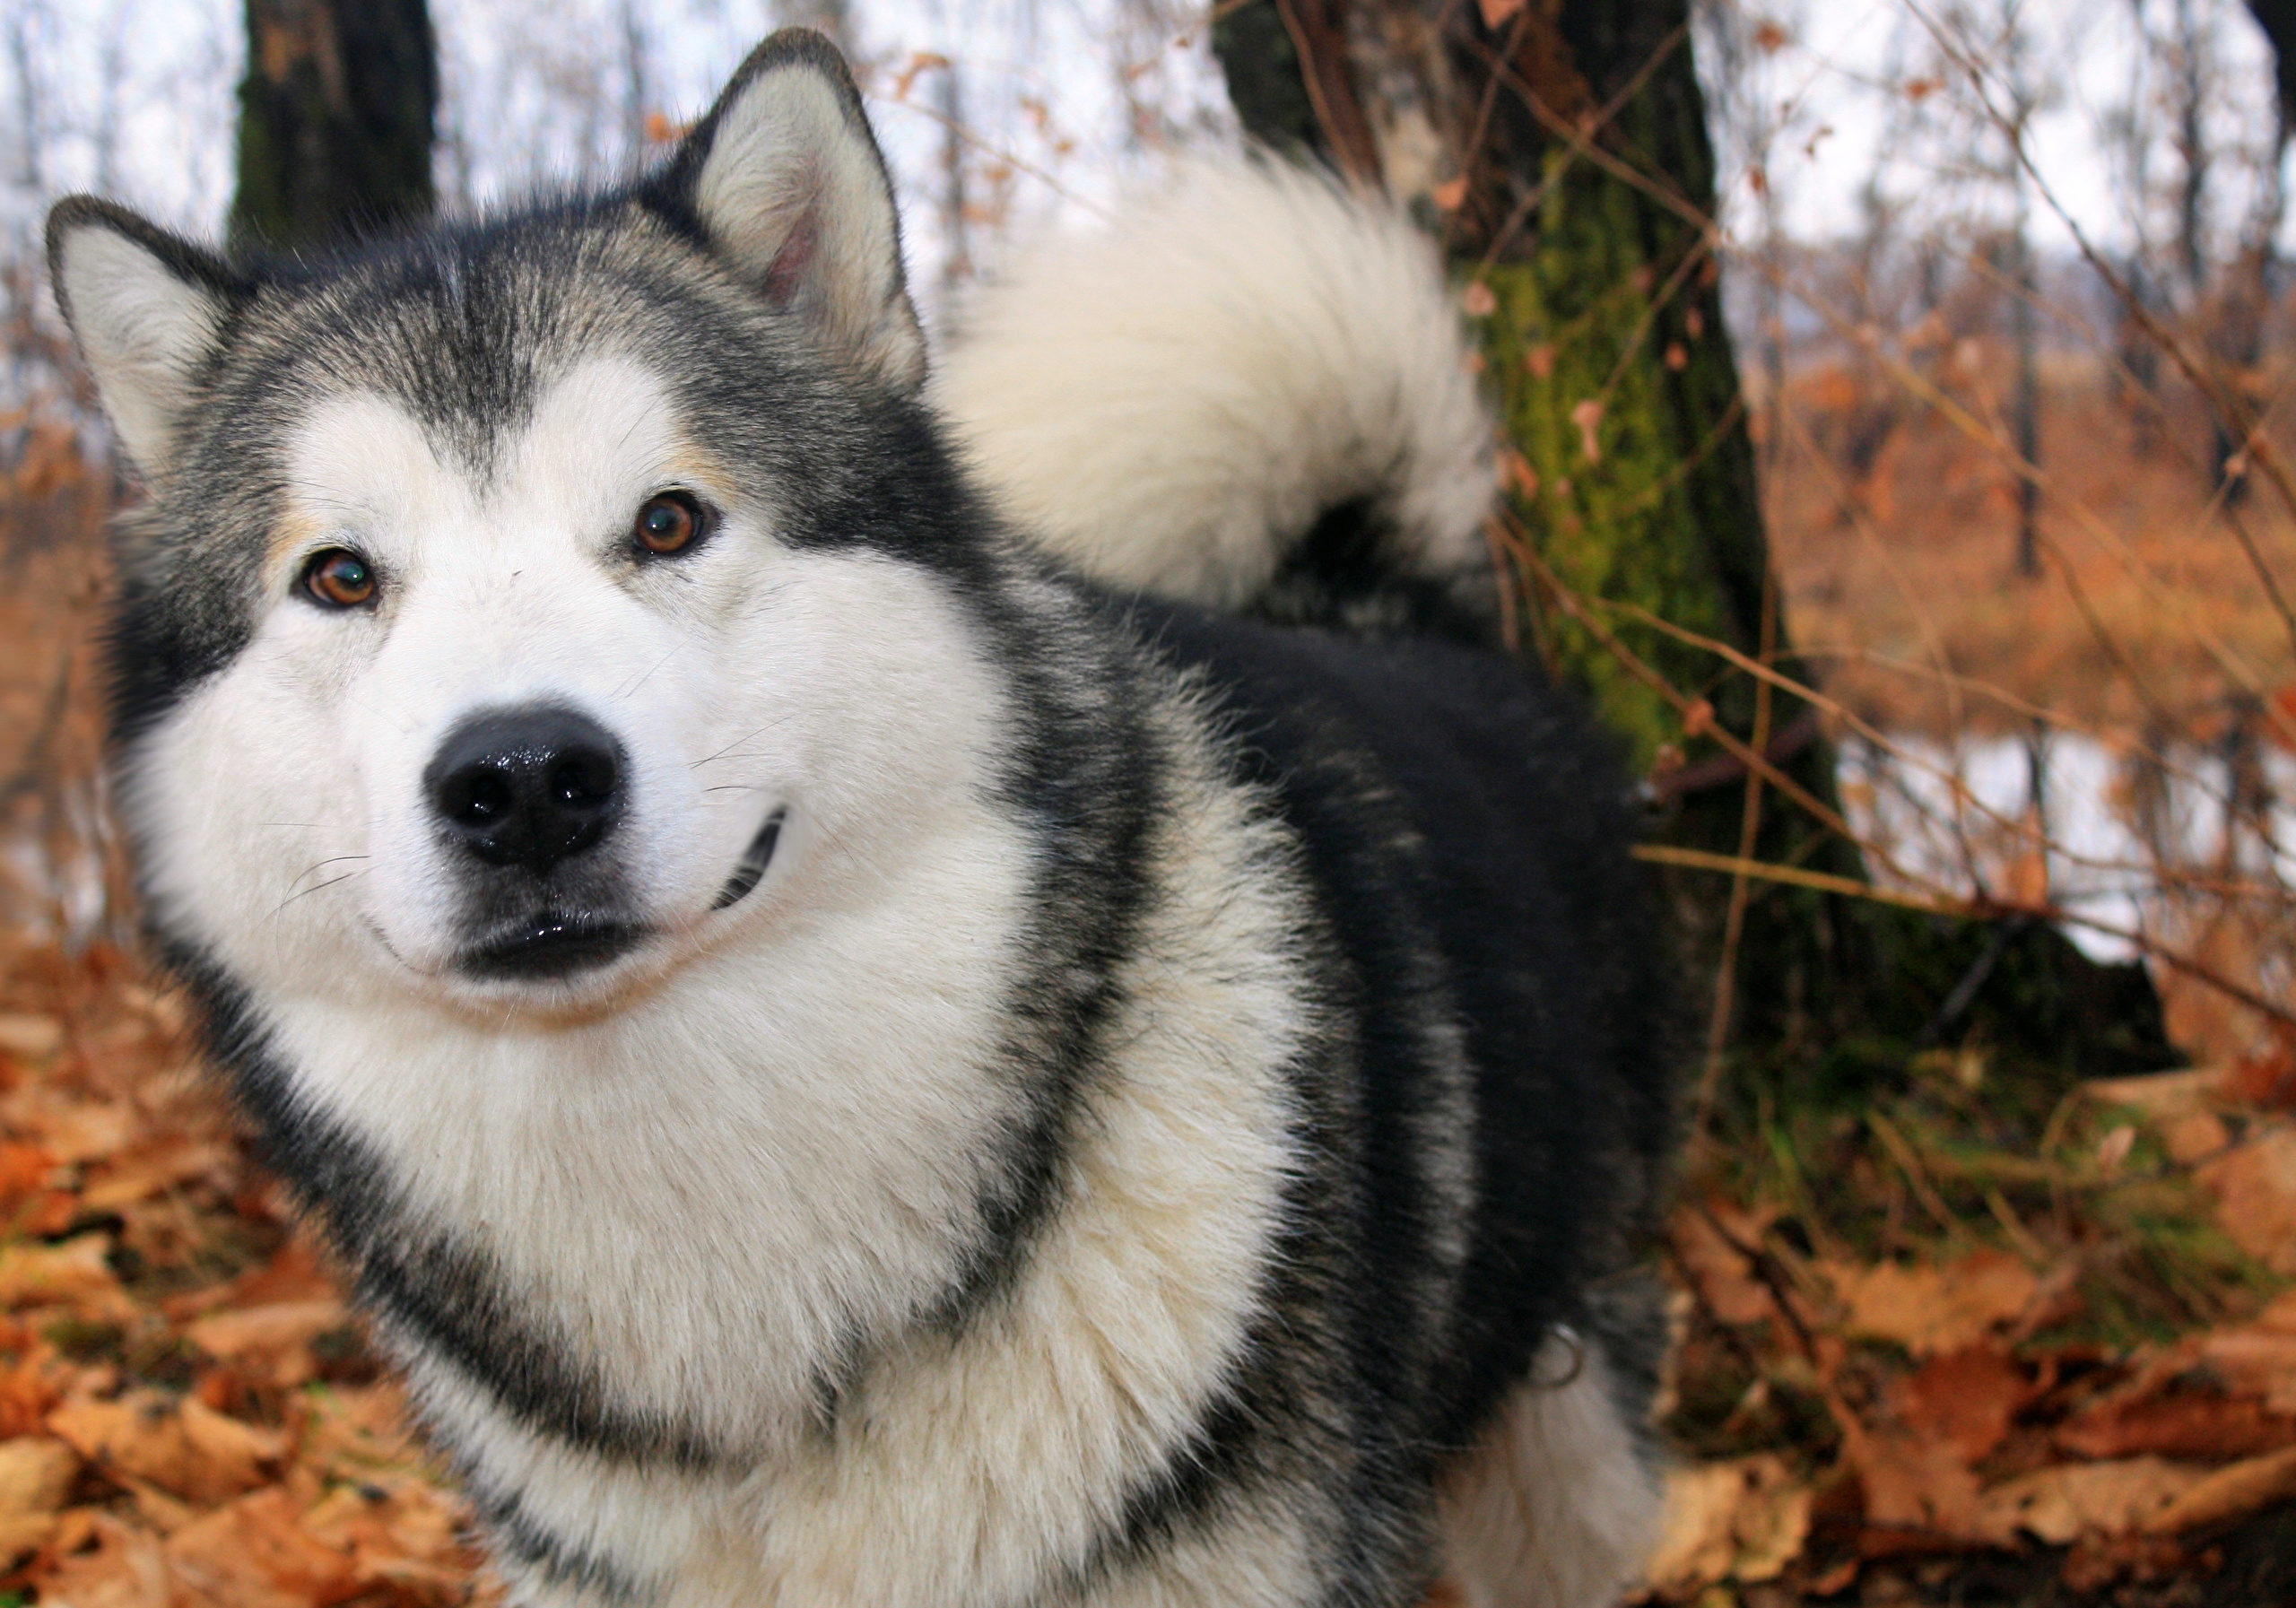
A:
{"x": 1616, "y": 383}
{"x": 336, "y": 120}
{"x": 2277, "y": 18}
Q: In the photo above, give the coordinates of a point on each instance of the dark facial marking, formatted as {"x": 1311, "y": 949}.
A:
{"x": 755, "y": 858}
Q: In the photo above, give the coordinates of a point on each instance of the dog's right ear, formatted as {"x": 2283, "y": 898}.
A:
{"x": 146, "y": 309}
{"x": 787, "y": 185}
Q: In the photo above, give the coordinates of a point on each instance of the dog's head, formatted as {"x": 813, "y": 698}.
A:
{"x": 515, "y": 603}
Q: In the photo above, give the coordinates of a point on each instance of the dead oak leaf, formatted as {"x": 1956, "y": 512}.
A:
{"x": 30, "y": 1037}
{"x": 255, "y": 1551}
{"x": 1966, "y": 1398}
{"x": 1913, "y": 1486}
{"x": 295, "y": 1274}
{"x": 126, "y": 1568}
{"x": 179, "y": 1444}
{"x": 2060, "y": 1504}
{"x": 2231, "y": 1492}
{"x": 2255, "y": 1186}
{"x": 35, "y": 1476}
{"x": 1722, "y": 1275}
{"x": 2254, "y": 1361}
{"x": 273, "y": 1340}
{"x": 152, "y": 1169}
{"x": 1743, "y": 1520}
{"x": 1931, "y": 1310}
{"x": 2193, "y": 1422}
{"x": 76, "y": 1273}
{"x": 398, "y": 1530}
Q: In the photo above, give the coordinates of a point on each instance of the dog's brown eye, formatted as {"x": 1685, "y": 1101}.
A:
{"x": 339, "y": 578}
{"x": 669, "y": 523}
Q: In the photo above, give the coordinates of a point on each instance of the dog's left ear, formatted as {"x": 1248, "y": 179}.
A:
{"x": 789, "y": 188}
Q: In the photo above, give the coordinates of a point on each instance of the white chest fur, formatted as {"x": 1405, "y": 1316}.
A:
{"x": 719, "y": 1191}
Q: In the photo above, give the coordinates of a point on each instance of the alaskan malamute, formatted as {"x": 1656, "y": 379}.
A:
{"x": 858, "y": 1058}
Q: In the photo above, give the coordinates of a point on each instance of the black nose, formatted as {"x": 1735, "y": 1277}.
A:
{"x": 527, "y": 787}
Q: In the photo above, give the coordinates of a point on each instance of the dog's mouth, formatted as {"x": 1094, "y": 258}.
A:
{"x": 552, "y": 945}
{"x": 755, "y": 858}
{"x": 549, "y": 946}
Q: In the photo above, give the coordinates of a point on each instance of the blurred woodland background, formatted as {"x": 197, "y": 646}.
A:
{"x": 1896, "y": 452}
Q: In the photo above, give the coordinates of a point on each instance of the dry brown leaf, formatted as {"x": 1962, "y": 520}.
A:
{"x": 23, "y": 1533}
{"x": 2257, "y": 1358}
{"x": 255, "y": 1551}
{"x": 2255, "y": 1185}
{"x": 2230, "y": 1493}
{"x": 400, "y": 1529}
{"x": 155, "y": 1167}
{"x": 1744, "y": 1520}
{"x": 2058, "y": 1505}
{"x": 24, "y": 1169}
{"x": 1931, "y": 1310}
{"x": 30, "y": 1037}
{"x": 274, "y": 1341}
{"x": 180, "y": 1445}
{"x": 1721, "y": 1273}
{"x": 126, "y": 1568}
{"x": 74, "y": 1274}
{"x": 2184, "y": 1423}
{"x": 2161, "y": 1095}
{"x": 1966, "y": 1399}
{"x": 27, "y": 1390}
{"x": 81, "y": 1130}
{"x": 1495, "y": 13}
{"x": 2279, "y": 1315}
{"x": 2194, "y": 1137}
{"x": 36, "y": 1475}
{"x": 1914, "y": 1484}
{"x": 163, "y": 1513}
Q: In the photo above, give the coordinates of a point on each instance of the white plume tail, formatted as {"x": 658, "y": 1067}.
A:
{"x": 1175, "y": 402}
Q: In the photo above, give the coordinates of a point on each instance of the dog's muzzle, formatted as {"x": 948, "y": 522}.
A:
{"x": 525, "y": 796}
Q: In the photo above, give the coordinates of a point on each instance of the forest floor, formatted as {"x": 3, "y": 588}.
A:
{"x": 1991, "y": 1338}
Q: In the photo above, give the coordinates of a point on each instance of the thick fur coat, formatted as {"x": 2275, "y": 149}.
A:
{"x": 894, "y": 1001}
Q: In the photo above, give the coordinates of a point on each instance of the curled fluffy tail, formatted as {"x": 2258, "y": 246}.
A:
{"x": 1251, "y": 392}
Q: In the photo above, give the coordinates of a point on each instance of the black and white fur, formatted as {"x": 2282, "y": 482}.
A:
{"x": 1032, "y": 1093}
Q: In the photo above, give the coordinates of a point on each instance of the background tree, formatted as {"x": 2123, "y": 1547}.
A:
{"x": 1560, "y": 149}
{"x": 336, "y": 120}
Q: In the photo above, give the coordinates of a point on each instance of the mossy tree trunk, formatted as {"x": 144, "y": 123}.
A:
{"x": 336, "y": 116}
{"x": 1572, "y": 179}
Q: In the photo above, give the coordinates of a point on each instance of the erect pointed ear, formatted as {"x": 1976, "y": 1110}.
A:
{"x": 146, "y": 309}
{"x": 791, "y": 192}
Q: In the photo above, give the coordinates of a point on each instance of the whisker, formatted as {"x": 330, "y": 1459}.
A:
{"x": 331, "y": 860}
{"x": 316, "y": 888}
{"x": 649, "y": 677}
{"x": 736, "y": 743}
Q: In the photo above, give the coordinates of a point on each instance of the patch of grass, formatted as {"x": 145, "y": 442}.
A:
{"x": 1930, "y": 1156}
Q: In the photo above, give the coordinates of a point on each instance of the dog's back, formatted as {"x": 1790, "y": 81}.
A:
{"x": 1248, "y": 410}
